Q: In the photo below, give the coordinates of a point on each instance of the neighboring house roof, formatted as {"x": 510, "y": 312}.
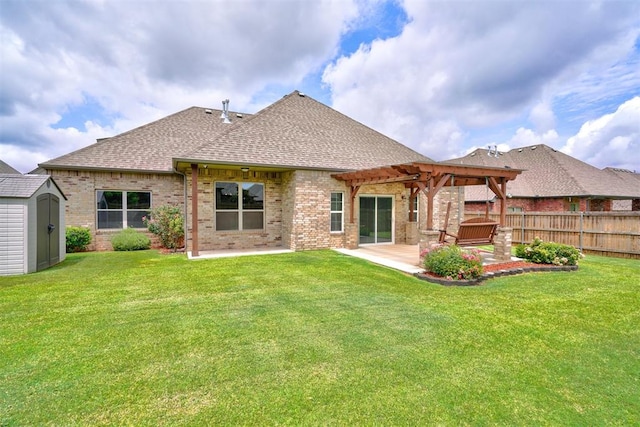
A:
{"x": 22, "y": 186}
{"x": 632, "y": 179}
{"x": 5, "y": 168}
{"x": 549, "y": 173}
{"x": 295, "y": 132}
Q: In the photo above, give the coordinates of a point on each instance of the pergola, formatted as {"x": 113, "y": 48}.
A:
{"x": 431, "y": 178}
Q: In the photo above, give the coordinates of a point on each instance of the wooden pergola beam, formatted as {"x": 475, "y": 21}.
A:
{"x": 431, "y": 178}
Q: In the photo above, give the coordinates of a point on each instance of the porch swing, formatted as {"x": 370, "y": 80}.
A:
{"x": 474, "y": 231}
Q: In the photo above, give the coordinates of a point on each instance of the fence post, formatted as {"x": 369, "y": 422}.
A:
{"x": 522, "y": 232}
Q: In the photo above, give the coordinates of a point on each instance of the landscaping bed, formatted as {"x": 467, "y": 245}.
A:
{"x": 496, "y": 270}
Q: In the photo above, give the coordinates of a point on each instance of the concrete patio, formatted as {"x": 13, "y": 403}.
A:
{"x": 399, "y": 257}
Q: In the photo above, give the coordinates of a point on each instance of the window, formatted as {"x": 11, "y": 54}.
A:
{"x": 337, "y": 212}
{"x": 416, "y": 208}
{"x": 122, "y": 209}
{"x": 235, "y": 213}
{"x": 514, "y": 209}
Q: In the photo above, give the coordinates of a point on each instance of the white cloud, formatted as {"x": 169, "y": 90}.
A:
{"x": 459, "y": 74}
{"x": 483, "y": 65}
{"x": 542, "y": 117}
{"x": 138, "y": 61}
{"x": 611, "y": 140}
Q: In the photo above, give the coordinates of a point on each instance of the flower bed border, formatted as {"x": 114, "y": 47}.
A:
{"x": 490, "y": 275}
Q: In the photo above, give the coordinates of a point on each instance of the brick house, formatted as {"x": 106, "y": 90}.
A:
{"x": 552, "y": 181}
{"x": 264, "y": 180}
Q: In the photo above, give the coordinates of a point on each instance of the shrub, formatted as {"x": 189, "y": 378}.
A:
{"x": 130, "y": 240}
{"x": 452, "y": 262}
{"x": 541, "y": 252}
{"x": 78, "y": 238}
{"x": 167, "y": 223}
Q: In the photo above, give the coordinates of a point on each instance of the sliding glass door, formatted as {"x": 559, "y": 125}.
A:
{"x": 376, "y": 219}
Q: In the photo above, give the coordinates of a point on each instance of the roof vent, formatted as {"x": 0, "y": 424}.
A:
{"x": 534, "y": 147}
{"x": 225, "y": 111}
{"x": 301, "y": 94}
{"x": 238, "y": 115}
{"x": 207, "y": 111}
{"x": 520, "y": 150}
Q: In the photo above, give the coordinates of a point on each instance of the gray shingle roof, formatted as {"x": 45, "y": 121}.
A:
{"x": 5, "y": 168}
{"x": 300, "y": 132}
{"x": 20, "y": 186}
{"x": 551, "y": 173}
{"x": 150, "y": 147}
{"x": 294, "y": 132}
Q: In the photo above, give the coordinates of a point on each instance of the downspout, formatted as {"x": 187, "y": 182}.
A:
{"x": 184, "y": 204}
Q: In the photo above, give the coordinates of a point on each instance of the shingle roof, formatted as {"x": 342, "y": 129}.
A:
{"x": 5, "y": 168}
{"x": 150, "y": 147}
{"x": 300, "y": 132}
{"x": 20, "y": 186}
{"x": 295, "y": 132}
{"x": 550, "y": 173}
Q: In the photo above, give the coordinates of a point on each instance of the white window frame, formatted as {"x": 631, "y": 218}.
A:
{"x": 416, "y": 211}
{"x": 332, "y": 212}
{"x": 124, "y": 210}
{"x": 240, "y": 209}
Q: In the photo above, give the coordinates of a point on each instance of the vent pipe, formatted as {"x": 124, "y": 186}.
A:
{"x": 225, "y": 111}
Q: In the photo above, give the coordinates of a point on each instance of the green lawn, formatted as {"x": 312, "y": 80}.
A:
{"x": 139, "y": 338}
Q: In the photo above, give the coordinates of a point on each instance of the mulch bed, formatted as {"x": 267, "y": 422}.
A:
{"x": 496, "y": 270}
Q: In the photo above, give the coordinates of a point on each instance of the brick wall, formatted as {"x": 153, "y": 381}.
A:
{"x": 297, "y": 206}
{"x": 209, "y": 238}
{"x": 80, "y": 189}
{"x": 307, "y": 209}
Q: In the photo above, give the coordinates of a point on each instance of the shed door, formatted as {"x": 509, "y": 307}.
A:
{"x": 48, "y": 232}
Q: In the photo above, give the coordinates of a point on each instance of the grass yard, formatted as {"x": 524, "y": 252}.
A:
{"x": 139, "y": 338}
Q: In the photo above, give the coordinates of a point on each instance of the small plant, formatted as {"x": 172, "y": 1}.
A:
{"x": 130, "y": 240}
{"x": 167, "y": 223}
{"x": 452, "y": 262}
{"x": 541, "y": 252}
{"x": 78, "y": 238}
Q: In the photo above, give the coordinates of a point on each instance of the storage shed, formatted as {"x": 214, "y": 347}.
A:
{"x": 32, "y": 227}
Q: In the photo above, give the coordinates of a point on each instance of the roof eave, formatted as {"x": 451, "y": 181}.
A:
{"x": 104, "y": 169}
{"x": 266, "y": 166}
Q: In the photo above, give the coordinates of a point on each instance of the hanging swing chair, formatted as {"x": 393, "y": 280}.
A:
{"x": 474, "y": 231}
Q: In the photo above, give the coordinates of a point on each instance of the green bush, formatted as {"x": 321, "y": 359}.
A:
{"x": 167, "y": 223}
{"x": 541, "y": 252}
{"x": 452, "y": 262}
{"x": 130, "y": 240}
{"x": 78, "y": 238}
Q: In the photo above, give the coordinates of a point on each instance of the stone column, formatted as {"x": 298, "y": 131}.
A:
{"x": 502, "y": 244}
{"x": 411, "y": 233}
{"x": 351, "y": 235}
{"x": 428, "y": 238}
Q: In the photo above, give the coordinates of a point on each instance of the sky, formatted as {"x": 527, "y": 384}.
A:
{"x": 442, "y": 77}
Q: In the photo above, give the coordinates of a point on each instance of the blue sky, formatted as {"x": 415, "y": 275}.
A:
{"x": 442, "y": 77}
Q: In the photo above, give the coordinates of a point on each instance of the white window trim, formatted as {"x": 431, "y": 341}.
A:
{"x": 240, "y": 210}
{"x": 341, "y": 212}
{"x": 416, "y": 210}
{"x": 124, "y": 209}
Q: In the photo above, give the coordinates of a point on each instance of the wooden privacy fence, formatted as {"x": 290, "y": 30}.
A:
{"x": 608, "y": 233}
